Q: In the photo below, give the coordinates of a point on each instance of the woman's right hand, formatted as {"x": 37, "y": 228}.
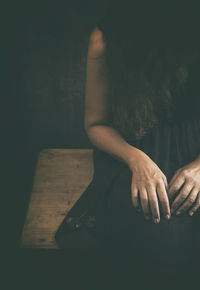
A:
{"x": 149, "y": 185}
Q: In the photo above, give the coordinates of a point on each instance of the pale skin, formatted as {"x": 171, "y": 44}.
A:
{"x": 149, "y": 184}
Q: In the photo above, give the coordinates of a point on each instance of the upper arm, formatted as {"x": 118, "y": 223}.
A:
{"x": 96, "y": 89}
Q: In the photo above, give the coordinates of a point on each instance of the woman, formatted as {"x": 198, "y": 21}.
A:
{"x": 142, "y": 116}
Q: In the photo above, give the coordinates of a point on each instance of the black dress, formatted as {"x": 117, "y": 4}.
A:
{"x": 104, "y": 215}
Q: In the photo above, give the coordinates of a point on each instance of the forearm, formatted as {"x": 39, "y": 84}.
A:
{"x": 109, "y": 140}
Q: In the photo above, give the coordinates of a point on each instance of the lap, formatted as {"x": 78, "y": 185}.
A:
{"x": 121, "y": 225}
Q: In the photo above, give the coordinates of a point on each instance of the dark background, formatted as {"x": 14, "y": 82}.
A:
{"x": 44, "y": 67}
{"x": 44, "y": 49}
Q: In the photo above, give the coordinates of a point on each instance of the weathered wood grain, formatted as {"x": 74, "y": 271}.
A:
{"x": 61, "y": 177}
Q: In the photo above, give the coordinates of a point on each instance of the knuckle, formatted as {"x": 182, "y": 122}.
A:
{"x": 160, "y": 184}
{"x": 134, "y": 194}
{"x": 152, "y": 200}
{"x": 184, "y": 173}
{"x": 175, "y": 188}
{"x": 192, "y": 179}
{"x": 149, "y": 182}
{"x": 191, "y": 199}
{"x": 134, "y": 198}
{"x": 158, "y": 179}
{"x": 164, "y": 176}
{"x": 184, "y": 191}
{"x": 144, "y": 198}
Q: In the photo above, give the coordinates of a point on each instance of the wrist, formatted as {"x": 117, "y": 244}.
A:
{"x": 132, "y": 156}
{"x": 197, "y": 161}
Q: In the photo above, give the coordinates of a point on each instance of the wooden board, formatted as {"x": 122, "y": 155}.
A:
{"x": 61, "y": 177}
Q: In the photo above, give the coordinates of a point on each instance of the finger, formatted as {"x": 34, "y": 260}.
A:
{"x": 174, "y": 177}
{"x": 135, "y": 198}
{"x": 153, "y": 201}
{"x": 195, "y": 206}
{"x": 189, "y": 201}
{"x": 145, "y": 203}
{"x": 181, "y": 196}
{"x": 165, "y": 182}
{"x": 162, "y": 194}
{"x": 175, "y": 186}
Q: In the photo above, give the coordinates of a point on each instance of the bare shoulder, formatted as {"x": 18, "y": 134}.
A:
{"x": 97, "y": 43}
{"x": 96, "y": 34}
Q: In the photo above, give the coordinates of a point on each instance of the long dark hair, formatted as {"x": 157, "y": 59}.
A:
{"x": 149, "y": 50}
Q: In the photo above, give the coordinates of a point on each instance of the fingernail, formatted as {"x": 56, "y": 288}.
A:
{"x": 178, "y": 212}
{"x": 156, "y": 221}
{"x": 167, "y": 216}
{"x": 191, "y": 213}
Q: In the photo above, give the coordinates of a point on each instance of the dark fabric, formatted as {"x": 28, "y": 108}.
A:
{"x": 106, "y": 168}
{"x": 107, "y": 199}
{"x": 171, "y": 147}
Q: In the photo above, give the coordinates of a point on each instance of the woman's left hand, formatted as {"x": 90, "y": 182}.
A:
{"x": 189, "y": 195}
